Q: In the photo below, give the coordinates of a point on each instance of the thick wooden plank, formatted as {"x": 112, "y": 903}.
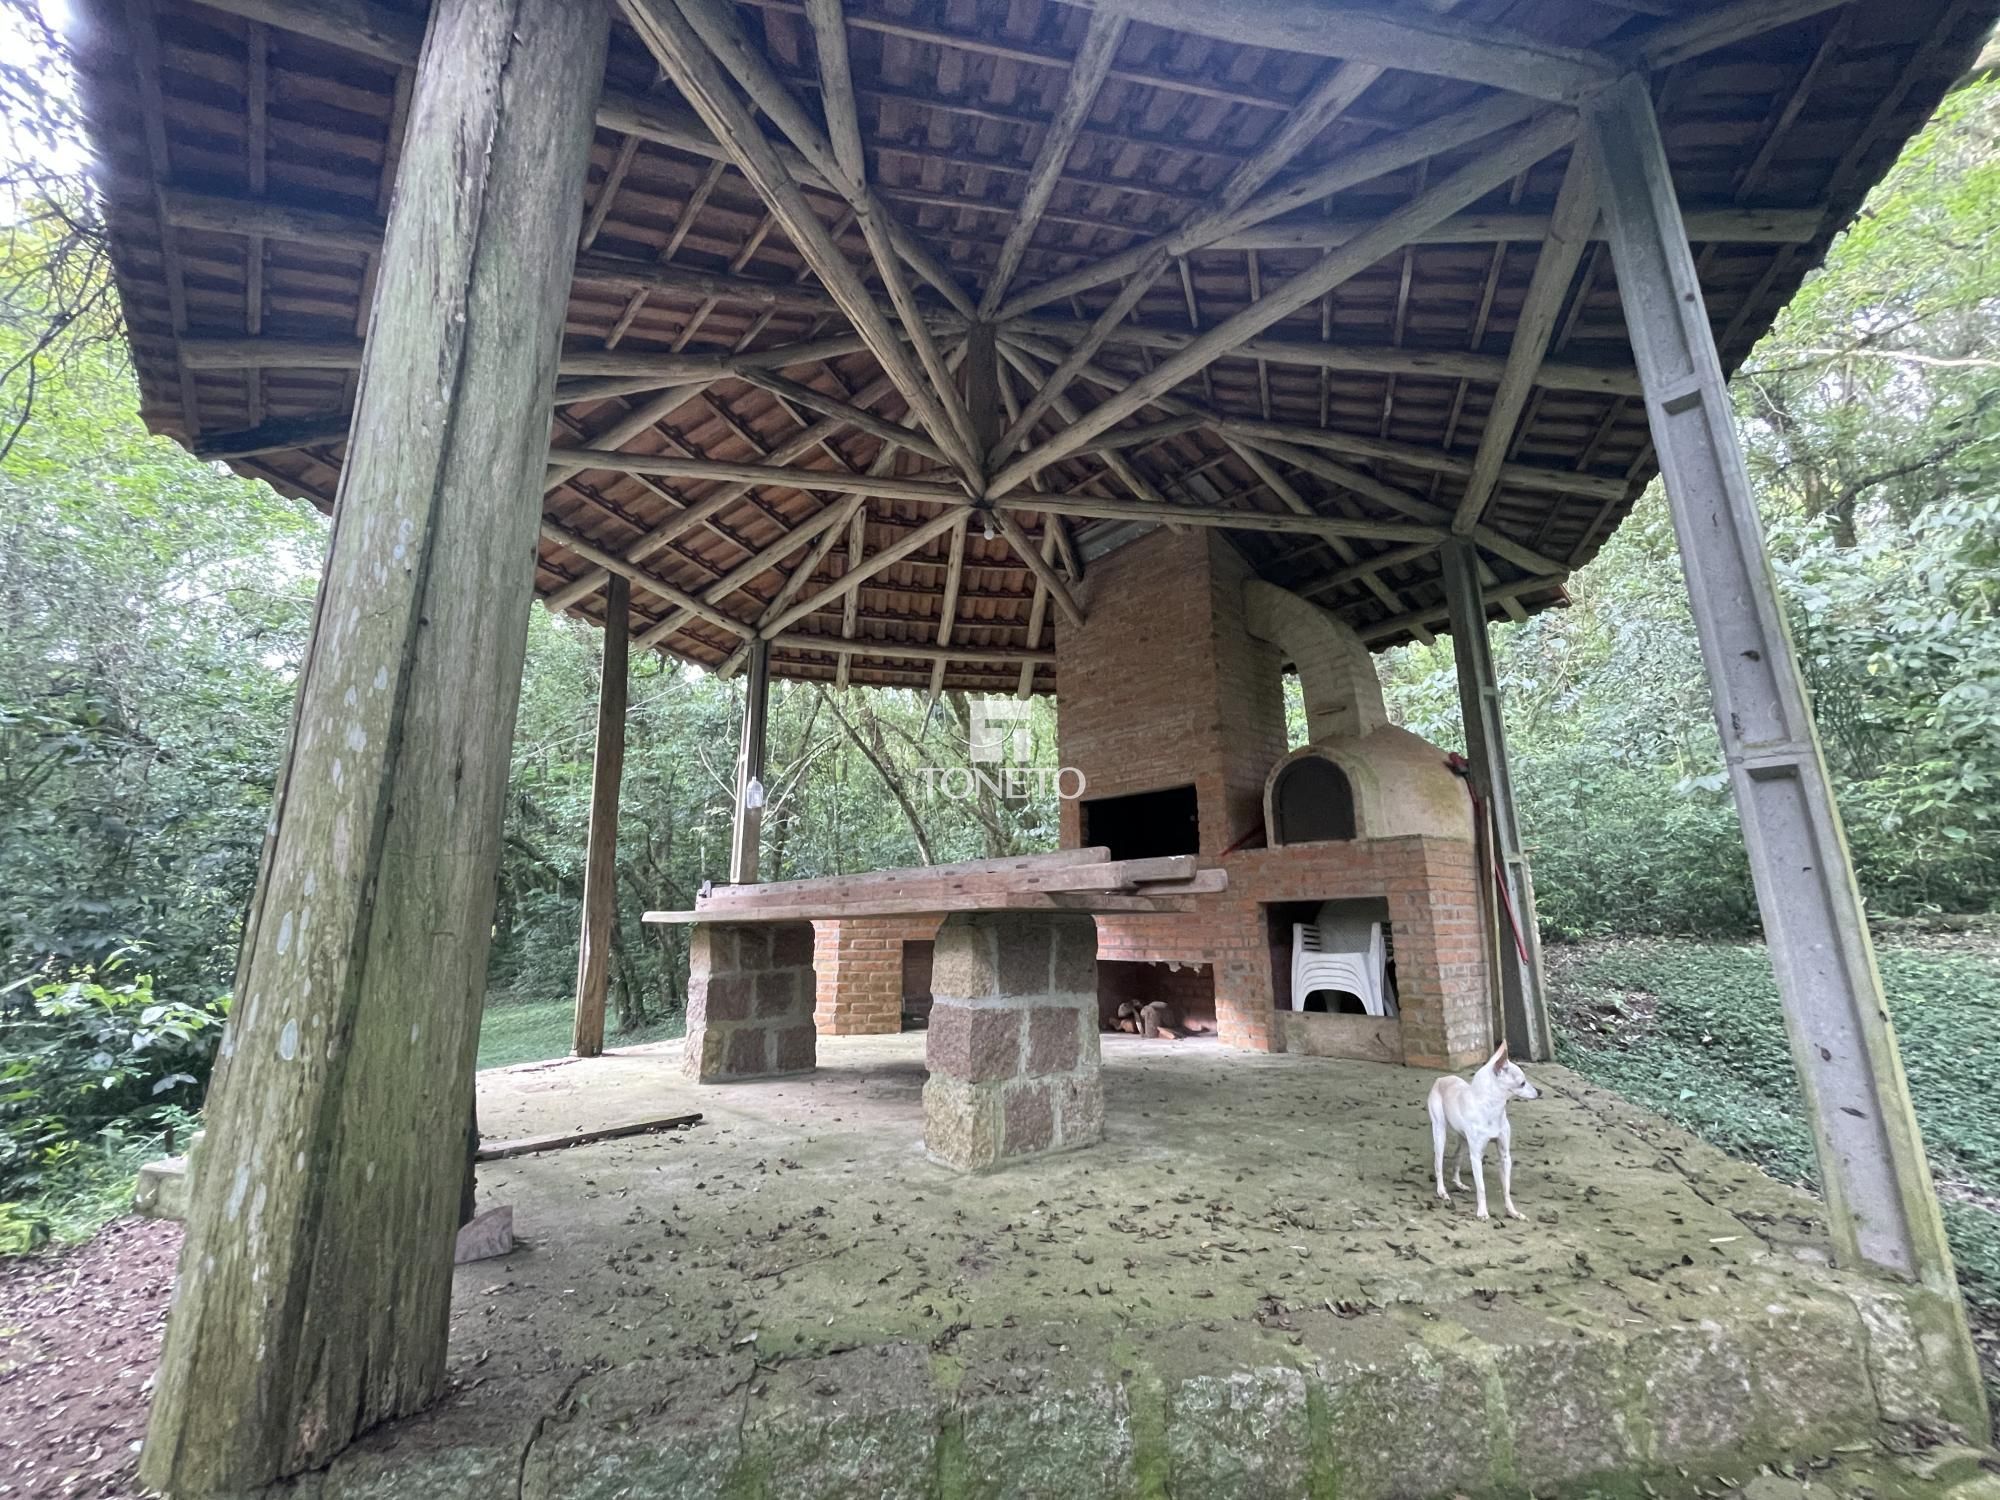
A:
{"x": 918, "y": 883}
{"x": 1055, "y": 859}
{"x": 1084, "y": 901}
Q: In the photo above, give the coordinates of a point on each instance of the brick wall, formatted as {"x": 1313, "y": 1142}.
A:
{"x": 859, "y": 961}
{"x": 1166, "y": 686}
{"x": 1163, "y": 686}
{"x": 1189, "y": 989}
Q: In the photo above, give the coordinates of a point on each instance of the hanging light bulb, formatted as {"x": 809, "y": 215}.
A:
{"x": 986, "y": 529}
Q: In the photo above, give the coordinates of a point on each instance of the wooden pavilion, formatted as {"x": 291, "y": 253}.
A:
{"x": 868, "y": 327}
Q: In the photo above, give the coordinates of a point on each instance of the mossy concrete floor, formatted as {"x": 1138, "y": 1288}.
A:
{"x": 1246, "y": 1289}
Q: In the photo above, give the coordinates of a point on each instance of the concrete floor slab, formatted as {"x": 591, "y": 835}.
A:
{"x": 1247, "y": 1288}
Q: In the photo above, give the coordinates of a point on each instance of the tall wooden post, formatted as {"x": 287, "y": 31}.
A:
{"x": 749, "y": 827}
{"x": 1880, "y": 1201}
{"x": 1524, "y": 1004}
{"x": 600, "y": 863}
{"x": 315, "y": 1284}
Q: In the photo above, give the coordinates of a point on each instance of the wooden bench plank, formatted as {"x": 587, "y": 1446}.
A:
{"x": 791, "y": 890}
{"x": 920, "y": 883}
{"x": 1175, "y": 899}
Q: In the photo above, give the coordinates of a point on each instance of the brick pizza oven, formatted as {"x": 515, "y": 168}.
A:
{"x": 1172, "y": 707}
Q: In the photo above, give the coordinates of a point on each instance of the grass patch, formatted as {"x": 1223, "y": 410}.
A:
{"x": 518, "y": 1031}
{"x": 79, "y": 1194}
{"x": 1693, "y": 1030}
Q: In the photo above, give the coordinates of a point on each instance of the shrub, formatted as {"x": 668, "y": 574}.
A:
{"x": 89, "y": 1059}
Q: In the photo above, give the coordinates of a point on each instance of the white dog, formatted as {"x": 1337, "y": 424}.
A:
{"x": 1478, "y": 1112}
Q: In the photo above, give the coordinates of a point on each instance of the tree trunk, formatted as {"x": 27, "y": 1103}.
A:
{"x": 315, "y": 1284}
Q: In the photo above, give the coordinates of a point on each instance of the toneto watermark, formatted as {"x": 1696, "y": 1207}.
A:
{"x": 1001, "y": 743}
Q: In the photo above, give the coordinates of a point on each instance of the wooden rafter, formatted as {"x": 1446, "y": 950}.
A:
{"x": 1402, "y": 38}
{"x": 713, "y": 505}
{"x": 1486, "y": 417}
{"x": 1093, "y": 61}
{"x": 1569, "y": 234}
{"x": 1528, "y": 145}
{"x": 686, "y": 58}
{"x": 1217, "y": 225}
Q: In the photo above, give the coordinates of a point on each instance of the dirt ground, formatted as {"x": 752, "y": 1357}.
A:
{"x": 1239, "y": 1204}
{"x": 79, "y": 1337}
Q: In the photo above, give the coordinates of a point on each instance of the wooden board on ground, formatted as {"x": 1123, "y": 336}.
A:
{"x": 528, "y": 1145}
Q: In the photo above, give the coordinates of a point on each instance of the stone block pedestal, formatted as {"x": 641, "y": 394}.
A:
{"x": 750, "y": 1002}
{"x": 1012, "y": 1046}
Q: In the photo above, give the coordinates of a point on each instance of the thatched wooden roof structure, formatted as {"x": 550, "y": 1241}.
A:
{"x": 1031, "y": 162}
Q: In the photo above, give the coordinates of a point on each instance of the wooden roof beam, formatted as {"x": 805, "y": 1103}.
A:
{"x": 832, "y": 406}
{"x": 641, "y": 418}
{"x": 851, "y": 518}
{"x": 1044, "y": 570}
{"x": 1555, "y": 269}
{"x": 1437, "y": 45}
{"x": 1421, "y": 457}
{"x": 697, "y": 42}
{"x": 781, "y": 476}
{"x": 1093, "y": 61}
{"x": 851, "y": 580}
{"x": 1361, "y": 359}
{"x": 1459, "y": 190}
{"x": 1127, "y": 474}
{"x": 1740, "y": 224}
{"x": 589, "y": 551}
{"x": 710, "y": 506}
{"x": 1350, "y": 169}
{"x": 391, "y": 36}
{"x": 608, "y": 372}
{"x": 1436, "y": 614}
{"x": 1677, "y": 41}
{"x": 794, "y": 640}
{"x": 1228, "y": 518}
{"x": 1368, "y": 487}
{"x": 754, "y": 566}
{"x": 1048, "y": 391}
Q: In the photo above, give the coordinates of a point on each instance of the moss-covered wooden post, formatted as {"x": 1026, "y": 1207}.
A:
{"x": 600, "y": 860}
{"x": 315, "y": 1284}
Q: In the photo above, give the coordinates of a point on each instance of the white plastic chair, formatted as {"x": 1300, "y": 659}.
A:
{"x": 1340, "y": 950}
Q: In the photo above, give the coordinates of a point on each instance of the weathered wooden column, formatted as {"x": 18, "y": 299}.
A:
{"x": 600, "y": 860}
{"x": 748, "y": 830}
{"x": 1523, "y": 990}
{"x": 315, "y": 1283}
{"x": 1880, "y": 1201}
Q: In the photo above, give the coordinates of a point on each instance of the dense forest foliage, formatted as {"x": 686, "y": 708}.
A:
{"x": 155, "y": 609}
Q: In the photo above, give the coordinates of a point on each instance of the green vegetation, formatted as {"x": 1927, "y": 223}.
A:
{"x": 153, "y": 612}
{"x": 1694, "y": 1031}
{"x": 1871, "y": 420}
{"x": 518, "y": 1031}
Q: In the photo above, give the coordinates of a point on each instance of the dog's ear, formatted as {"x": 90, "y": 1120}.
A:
{"x": 1499, "y": 1059}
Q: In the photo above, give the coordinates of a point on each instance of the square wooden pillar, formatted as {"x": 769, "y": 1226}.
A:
{"x": 315, "y": 1284}
{"x": 1881, "y": 1205}
{"x": 600, "y": 864}
{"x": 1524, "y": 1003}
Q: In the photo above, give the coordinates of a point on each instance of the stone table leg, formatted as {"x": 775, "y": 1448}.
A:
{"x": 1012, "y": 1046}
{"x": 750, "y": 1001}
